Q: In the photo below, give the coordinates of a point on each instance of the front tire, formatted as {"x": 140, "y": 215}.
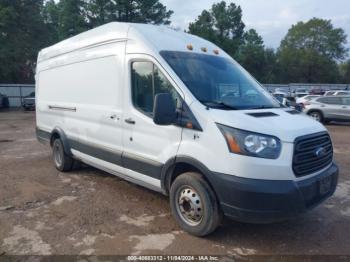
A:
{"x": 316, "y": 115}
{"x": 194, "y": 204}
{"x": 62, "y": 161}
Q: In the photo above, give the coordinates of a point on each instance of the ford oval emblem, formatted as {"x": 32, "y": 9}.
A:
{"x": 320, "y": 152}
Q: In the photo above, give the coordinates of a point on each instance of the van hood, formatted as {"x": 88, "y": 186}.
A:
{"x": 284, "y": 123}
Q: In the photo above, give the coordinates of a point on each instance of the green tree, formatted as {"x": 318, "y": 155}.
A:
{"x": 222, "y": 24}
{"x": 271, "y": 69}
{"x": 142, "y": 11}
{"x": 138, "y": 11}
{"x": 261, "y": 62}
{"x": 99, "y": 12}
{"x": 51, "y": 16}
{"x": 345, "y": 72}
{"x": 27, "y": 26}
{"x": 204, "y": 27}
{"x": 22, "y": 34}
{"x": 310, "y": 52}
{"x": 72, "y": 18}
{"x": 251, "y": 53}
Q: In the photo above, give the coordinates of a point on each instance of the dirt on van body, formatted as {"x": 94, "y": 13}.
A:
{"x": 89, "y": 212}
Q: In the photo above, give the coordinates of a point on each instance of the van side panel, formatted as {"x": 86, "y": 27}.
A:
{"x": 83, "y": 98}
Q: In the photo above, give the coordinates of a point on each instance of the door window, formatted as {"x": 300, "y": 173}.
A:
{"x": 346, "y": 101}
{"x": 342, "y": 93}
{"x": 330, "y": 100}
{"x": 148, "y": 81}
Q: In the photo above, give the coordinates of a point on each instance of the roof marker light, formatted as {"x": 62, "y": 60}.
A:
{"x": 216, "y": 51}
{"x": 190, "y": 47}
{"x": 189, "y": 125}
{"x": 204, "y": 49}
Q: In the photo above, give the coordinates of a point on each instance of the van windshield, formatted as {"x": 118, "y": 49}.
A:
{"x": 219, "y": 82}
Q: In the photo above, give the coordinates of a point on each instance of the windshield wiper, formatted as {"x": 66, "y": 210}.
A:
{"x": 219, "y": 104}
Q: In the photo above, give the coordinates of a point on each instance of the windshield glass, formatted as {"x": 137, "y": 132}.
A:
{"x": 219, "y": 82}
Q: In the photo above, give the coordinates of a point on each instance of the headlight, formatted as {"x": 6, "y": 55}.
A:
{"x": 251, "y": 144}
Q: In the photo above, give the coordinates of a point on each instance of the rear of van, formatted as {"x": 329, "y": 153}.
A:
{"x": 174, "y": 113}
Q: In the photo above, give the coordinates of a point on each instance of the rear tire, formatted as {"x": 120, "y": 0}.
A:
{"x": 194, "y": 204}
{"x": 6, "y": 102}
{"x": 316, "y": 115}
{"x": 62, "y": 161}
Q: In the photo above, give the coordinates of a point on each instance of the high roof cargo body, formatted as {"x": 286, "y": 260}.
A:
{"x": 141, "y": 38}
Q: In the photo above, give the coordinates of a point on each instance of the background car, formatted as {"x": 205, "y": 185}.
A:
{"x": 337, "y": 93}
{"x": 4, "y": 101}
{"x": 283, "y": 91}
{"x": 29, "y": 101}
{"x": 328, "y": 108}
{"x": 288, "y": 101}
{"x": 300, "y": 92}
{"x": 279, "y": 96}
{"x": 298, "y": 95}
{"x": 317, "y": 91}
{"x": 304, "y": 99}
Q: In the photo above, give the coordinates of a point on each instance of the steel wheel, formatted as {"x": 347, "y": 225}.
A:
{"x": 189, "y": 206}
{"x": 194, "y": 204}
{"x": 57, "y": 153}
{"x": 316, "y": 116}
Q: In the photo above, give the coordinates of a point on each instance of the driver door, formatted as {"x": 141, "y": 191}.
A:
{"x": 147, "y": 146}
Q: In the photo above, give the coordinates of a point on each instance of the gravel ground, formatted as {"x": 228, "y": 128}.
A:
{"x": 87, "y": 211}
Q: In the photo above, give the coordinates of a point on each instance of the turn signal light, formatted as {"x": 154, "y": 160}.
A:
{"x": 231, "y": 141}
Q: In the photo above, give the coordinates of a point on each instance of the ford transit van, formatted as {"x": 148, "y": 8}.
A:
{"x": 174, "y": 113}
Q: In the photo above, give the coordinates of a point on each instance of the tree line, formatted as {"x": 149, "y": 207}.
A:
{"x": 311, "y": 52}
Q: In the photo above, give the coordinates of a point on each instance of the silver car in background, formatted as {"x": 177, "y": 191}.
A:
{"x": 337, "y": 93}
{"x": 328, "y": 108}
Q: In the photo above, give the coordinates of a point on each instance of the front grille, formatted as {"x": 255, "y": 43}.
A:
{"x": 312, "y": 153}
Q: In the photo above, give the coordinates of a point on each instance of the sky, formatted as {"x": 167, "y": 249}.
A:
{"x": 271, "y": 18}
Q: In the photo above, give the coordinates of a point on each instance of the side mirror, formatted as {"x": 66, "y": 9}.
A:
{"x": 164, "y": 111}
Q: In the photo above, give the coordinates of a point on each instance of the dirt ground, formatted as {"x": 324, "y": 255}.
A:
{"x": 43, "y": 211}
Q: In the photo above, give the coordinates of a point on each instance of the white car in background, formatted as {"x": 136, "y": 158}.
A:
{"x": 337, "y": 93}
{"x": 300, "y": 92}
{"x": 283, "y": 91}
{"x": 304, "y": 99}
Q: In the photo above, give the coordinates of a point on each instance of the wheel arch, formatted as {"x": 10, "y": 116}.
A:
{"x": 179, "y": 165}
{"x": 59, "y": 133}
{"x": 316, "y": 110}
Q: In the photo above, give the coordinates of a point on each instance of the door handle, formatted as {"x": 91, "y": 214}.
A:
{"x": 344, "y": 107}
{"x": 130, "y": 121}
{"x": 113, "y": 117}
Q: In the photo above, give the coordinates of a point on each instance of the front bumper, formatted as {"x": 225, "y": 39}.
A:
{"x": 267, "y": 201}
{"x": 29, "y": 105}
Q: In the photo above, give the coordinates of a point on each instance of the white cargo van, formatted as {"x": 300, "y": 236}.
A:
{"x": 174, "y": 113}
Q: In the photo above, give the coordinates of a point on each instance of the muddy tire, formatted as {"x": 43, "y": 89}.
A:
{"x": 62, "y": 161}
{"x": 194, "y": 204}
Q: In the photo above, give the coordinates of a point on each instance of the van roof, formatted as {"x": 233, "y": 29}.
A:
{"x": 141, "y": 36}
